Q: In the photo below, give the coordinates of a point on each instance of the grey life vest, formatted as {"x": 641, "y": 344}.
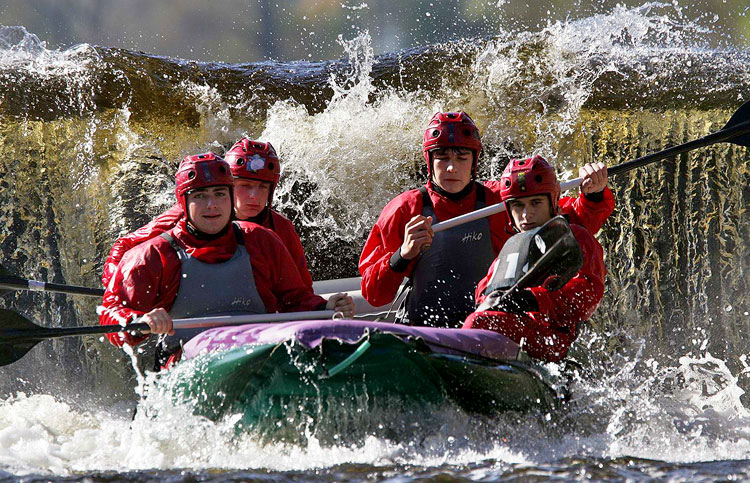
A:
{"x": 212, "y": 289}
{"x": 441, "y": 291}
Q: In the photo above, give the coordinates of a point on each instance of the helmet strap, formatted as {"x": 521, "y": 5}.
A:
{"x": 453, "y": 196}
{"x": 261, "y": 217}
{"x": 200, "y": 235}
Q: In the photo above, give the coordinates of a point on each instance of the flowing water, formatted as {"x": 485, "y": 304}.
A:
{"x": 90, "y": 138}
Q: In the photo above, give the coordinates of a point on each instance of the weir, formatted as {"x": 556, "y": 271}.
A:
{"x": 91, "y": 137}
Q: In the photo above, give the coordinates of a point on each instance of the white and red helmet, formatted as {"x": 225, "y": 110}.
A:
{"x": 255, "y": 160}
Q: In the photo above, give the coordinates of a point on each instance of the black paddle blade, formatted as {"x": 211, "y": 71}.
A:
{"x": 13, "y": 344}
{"x": 742, "y": 115}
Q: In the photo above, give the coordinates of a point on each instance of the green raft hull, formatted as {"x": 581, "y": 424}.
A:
{"x": 262, "y": 384}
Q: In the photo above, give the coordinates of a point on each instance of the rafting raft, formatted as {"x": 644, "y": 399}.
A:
{"x": 259, "y": 372}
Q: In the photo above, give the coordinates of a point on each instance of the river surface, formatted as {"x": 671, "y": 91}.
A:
{"x": 90, "y": 137}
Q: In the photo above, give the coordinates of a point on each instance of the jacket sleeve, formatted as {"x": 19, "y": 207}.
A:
{"x": 589, "y": 214}
{"x": 276, "y": 276}
{"x": 162, "y": 223}
{"x": 579, "y": 298}
{"x": 144, "y": 280}
{"x": 290, "y": 237}
{"x": 380, "y": 281}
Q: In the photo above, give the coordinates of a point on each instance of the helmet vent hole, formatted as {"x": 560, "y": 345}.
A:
{"x": 191, "y": 174}
{"x": 538, "y": 178}
{"x": 452, "y": 115}
{"x": 507, "y": 183}
{"x": 467, "y": 132}
{"x": 521, "y": 163}
{"x": 435, "y": 133}
{"x": 223, "y": 169}
{"x": 270, "y": 166}
{"x": 240, "y": 161}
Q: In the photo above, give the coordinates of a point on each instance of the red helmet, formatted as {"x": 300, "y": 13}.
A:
{"x": 529, "y": 177}
{"x": 451, "y": 130}
{"x": 201, "y": 171}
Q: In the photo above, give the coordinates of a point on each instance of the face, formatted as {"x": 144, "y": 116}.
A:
{"x": 210, "y": 208}
{"x": 530, "y": 212}
{"x": 451, "y": 168}
{"x": 250, "y": 197}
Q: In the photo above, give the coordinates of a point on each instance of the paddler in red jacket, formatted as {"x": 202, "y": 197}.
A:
{"x": 256, "y": 169}
{"x": 546, "y": 321}
{"x": 205, "y": 265}
{"x": 444, "y": 268}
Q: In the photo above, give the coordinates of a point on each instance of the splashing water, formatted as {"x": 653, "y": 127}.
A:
{"x": 91, "y": 139}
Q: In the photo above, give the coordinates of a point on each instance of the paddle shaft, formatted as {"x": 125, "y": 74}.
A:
{"x": 717, "y": 137}
{"x": 38, "y": 333}
{"x": 17, "y": 283}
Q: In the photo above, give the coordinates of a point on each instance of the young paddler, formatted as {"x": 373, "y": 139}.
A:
{"x": 543, "y": 317}
{"x": 206, "y": 265}
{"x": 443, "y": 269}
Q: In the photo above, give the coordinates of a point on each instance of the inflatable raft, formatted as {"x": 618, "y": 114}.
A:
{"x": 261, "y": 372}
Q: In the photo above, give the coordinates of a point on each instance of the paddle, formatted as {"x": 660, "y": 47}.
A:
{"x": 735, "y": 131}
{"x": 11, "y": 282}
{"x": 18, "y": 334}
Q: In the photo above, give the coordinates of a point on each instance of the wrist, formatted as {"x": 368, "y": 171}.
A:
{"x": 397, "y": 262}
{"x": 595, "y": 197}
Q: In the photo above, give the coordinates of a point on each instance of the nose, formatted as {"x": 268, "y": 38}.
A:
{"x": 212, "y": 201}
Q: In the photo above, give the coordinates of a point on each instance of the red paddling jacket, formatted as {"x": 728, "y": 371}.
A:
{"x": 167, "y": 220}
{"x": 148, "y": 275}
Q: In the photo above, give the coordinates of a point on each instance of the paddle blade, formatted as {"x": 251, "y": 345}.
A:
{"x": 741, "y": 116}
{"x": 12, "y": 345}
{"x": 10, "y": 352}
